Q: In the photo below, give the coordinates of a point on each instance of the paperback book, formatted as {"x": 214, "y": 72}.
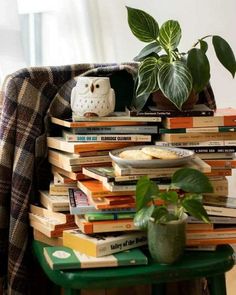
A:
{"x": 85, "y": 124}
{"x": 68, "y": 136}
{"x": 92, "y": 227}
{"x": 222, "y": 117}
{"x": 59, "y": 143}
{"x": 140, "y": 129}
{"x": 99, "y": 245}
{"x": 80, "y": 204}
{"x": 66, "y": 258}
{"x": 197, "y": 110}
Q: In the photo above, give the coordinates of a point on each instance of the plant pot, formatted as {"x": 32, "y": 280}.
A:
{"x": 166, "y": 242}
{"x": 163, "y": 103}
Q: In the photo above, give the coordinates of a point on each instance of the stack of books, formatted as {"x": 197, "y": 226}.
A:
{"x": 213, "y": 139}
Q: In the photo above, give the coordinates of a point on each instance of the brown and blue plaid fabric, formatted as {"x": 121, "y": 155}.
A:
{"x": 29, "y": 97}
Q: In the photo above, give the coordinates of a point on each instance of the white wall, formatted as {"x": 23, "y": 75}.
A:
{"x": 197, "y": 18}
{"x": 97, "y": 31}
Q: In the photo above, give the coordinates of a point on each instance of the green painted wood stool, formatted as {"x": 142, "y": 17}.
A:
{"x": 195, "y": 264}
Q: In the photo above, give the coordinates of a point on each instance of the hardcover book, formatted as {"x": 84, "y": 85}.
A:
{"x": 59, "y": 143}
{"x": 99, "y": 245}
{"x": 197, "y": 110}
{"x": 66, "y": 258}
{"x": 222, "y": 117}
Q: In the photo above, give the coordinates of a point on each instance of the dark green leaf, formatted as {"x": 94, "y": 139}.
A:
{"x": 162, "y": 215}
{"x": 191, "y": 180}
{"x": 196, "y": 209}
{"x": 140, "y": 101}
{"x": 175, "y": 81}
{"x": 147, "y": 73}
{"x": 199, "y": 67}
{"x": 147, "y": 50}
{"x": 170, "y": 35}
{"x": 142, "y": 216}
{"x": 142, "y": 25}
{"x": 224, "y": 54}
{"x": 203, "y": 45}
{"x": 169, "y": 197}
{"x": 145, "y": 189}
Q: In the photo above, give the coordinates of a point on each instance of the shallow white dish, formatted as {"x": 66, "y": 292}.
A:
{"x": 184, "y": 156}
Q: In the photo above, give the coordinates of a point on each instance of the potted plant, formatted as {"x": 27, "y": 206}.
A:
{"x": 165, "y": 70}
{"x": 163, "y": 214}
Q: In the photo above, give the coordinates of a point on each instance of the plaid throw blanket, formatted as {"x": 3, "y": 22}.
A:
{"x": 30, "y": 96}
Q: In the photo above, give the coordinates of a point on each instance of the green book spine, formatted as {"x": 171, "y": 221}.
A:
{"x": 198, "y": 129}
{"x": 66, "y": 258}
{"x": 108, "y": 216}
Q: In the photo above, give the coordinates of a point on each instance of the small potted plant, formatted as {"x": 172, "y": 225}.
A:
{"x": 163, "y": 214}
{"x": 167, "y": 73}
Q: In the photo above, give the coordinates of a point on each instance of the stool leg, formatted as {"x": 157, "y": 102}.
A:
{"x": 217, "y": 285}
{"x": 71, "y": 292}
{"x": 159, "y": 289}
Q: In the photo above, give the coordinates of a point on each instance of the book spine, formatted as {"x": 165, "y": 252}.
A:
{"x": 192, "y": 122}
{"x": 220, "y": 211}
{"x": 170, "y": 113}
{"x": 104, "y": 226}
{"x": 117, "y": 129}
{"x": 197, "y": 137}
{"x": 204, "y": 144}
{"x": 109, "y": 138}
{"x": 198, "y": 129}
{"x": 213, "y": 149}
{"x": 108, "y": 216}
{"x": 105, "y": 246}
{"x": 211, "y": 235}
{"x": 221, "y": 164}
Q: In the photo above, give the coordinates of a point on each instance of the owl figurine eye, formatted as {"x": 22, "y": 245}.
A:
{"x": 92, "y": 96}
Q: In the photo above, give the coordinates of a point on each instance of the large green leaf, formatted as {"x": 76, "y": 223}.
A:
{"x": 196, "y": 209}
{"x": 175, "y": 81}
{"x": 142, "y": 216}
{"x": 191, "y": 180}
{"x": 170, "y": 35}
{"x": 147, "y": 50}
{"x": 142, "y": 25}
{"x": 147, "y": 73}
{"x": 140, "y": 101}
{"x": 199, "y": 67}
{"x": 224, "y": 53}
{"x": 145, "y": 190}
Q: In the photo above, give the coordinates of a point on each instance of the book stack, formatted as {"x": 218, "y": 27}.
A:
{"x": 213, "y": 139}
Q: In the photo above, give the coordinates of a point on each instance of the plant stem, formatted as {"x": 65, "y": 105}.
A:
{"x": 207, "y": 36}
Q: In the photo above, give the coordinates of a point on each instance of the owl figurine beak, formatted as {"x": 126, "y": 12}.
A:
{"x": 92, "y": 88}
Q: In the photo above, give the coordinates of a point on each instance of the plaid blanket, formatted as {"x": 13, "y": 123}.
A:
{"x": 30, "y": 96}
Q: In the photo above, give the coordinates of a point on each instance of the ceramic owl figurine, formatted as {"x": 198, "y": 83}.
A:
{"x": 92, "y": 96}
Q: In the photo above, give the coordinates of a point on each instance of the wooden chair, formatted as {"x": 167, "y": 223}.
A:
{"x": 195, "y": 264}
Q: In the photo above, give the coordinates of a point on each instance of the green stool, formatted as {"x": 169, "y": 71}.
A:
{"x": 211, "y": 265}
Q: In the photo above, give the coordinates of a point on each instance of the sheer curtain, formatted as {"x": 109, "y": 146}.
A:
{"x": 11, "y": 52}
